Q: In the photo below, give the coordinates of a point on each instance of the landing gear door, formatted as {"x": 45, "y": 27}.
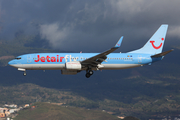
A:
{"x": 29, "y": 59}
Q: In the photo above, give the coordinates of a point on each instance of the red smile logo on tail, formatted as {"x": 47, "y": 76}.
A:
{"x": 152, "y": 42}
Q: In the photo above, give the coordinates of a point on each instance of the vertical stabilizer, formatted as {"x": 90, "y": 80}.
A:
{"x": 155, "y": 43}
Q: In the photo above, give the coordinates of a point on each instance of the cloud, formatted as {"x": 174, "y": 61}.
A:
{"x": 127, "y": 6}
{"x": 54, "y": 33}
{"x": 83, "y": 24}
{"x": 175, "y": 31}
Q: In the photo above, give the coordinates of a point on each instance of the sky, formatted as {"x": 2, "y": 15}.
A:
{"x": 90, "y": 25}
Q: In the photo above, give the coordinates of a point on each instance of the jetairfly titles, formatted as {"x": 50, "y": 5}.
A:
{"x": 73, "y": 63}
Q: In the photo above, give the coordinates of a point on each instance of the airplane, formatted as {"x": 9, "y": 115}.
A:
{"x": 73, "y": 63}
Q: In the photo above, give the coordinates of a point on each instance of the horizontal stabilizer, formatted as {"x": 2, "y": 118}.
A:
{"x": 162, "y": 54}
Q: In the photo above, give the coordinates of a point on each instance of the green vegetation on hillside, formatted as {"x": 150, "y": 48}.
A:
{"x": 46, "y": 111}
{"x": 30, "y": 93}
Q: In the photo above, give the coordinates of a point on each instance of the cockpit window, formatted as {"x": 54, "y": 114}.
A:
{"x": 18, "y": 58}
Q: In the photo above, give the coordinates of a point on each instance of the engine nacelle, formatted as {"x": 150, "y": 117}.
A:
{"x": 73, "y": 65}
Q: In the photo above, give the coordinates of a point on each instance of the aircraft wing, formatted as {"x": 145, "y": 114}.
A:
{"x": 98, "y": 59}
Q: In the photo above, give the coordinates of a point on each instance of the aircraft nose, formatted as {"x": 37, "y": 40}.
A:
{"x": 11, "y": 63}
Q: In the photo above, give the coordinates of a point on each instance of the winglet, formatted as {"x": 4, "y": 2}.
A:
{"x": 118, "y": 44}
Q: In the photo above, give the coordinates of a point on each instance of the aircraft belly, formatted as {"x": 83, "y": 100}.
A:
{"x": 119, "y": 66}
{"x": 43, "y": 66}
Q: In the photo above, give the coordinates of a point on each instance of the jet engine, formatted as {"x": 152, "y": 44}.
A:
{"x": 73, "y": 65}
